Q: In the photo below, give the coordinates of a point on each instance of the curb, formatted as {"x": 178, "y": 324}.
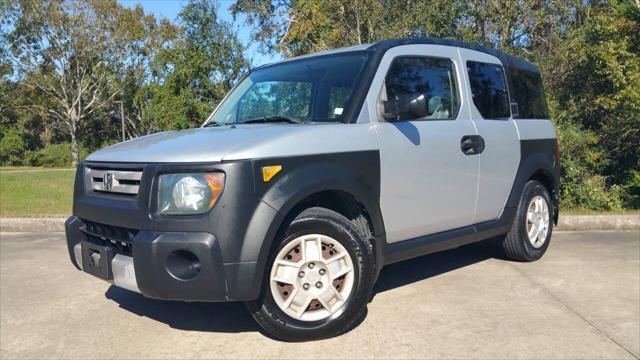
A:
{"x": 598, "y": 222}
{"x": 567, "y": 223}
{"x": 44, "y": 225}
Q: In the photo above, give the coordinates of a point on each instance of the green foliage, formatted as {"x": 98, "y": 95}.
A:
{"x": 53, "y": 155}
{"x": 581, "y": 186}
{"x": 631, "y": 189}
{"x": 588, "y": 53}
{"x": 11, "y": 147}
{"x": 299, "y": 27}
{"x": 76, "y": 57}
{"x": 75, "y": 71}
{"x": 197, "y": 70}
{"x": 71, "y": 71}
{"x": 597, "y": 108}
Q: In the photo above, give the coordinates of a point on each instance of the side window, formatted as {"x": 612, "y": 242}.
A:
{"x": 432, "y": 77}
{"x": 489, "y": 89}
{"x": 290, "y": 99}
{"x": 529, "y": 94}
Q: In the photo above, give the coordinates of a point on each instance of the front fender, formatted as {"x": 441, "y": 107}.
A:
{"x": 356, "y": 173}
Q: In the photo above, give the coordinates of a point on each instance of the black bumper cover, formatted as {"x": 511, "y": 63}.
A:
{"x": 230, "y": 242}
{"x": 151, "y": 252}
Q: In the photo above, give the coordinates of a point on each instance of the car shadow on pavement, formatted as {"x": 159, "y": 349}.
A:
{"x": 231, "y": 317}
{"x": 428, "y": 266}
{"x": 234, "y": 317}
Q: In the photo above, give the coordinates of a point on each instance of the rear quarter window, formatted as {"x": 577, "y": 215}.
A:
{"x": 489, "y": 89}
{"x": 528, "y": 92}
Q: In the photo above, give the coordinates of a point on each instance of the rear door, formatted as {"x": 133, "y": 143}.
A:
{"x": 428, "y": 185}
{"x": 490, "y": 111}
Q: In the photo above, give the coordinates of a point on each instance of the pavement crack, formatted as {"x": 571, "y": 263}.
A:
{"x": 565, "y": 305}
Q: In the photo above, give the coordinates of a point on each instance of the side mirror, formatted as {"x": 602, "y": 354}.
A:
{"x": 405, "y": 107}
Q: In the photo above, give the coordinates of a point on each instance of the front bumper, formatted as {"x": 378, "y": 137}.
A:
{"x": 230, "y": 244}
{"x": 168, "y": 265}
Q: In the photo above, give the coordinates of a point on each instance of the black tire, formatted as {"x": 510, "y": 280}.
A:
{"x": 516, "y": 244}
{"x": 319, "y": 221}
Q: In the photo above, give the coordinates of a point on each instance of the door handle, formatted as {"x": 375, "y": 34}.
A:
{"x": 472, "y": 144}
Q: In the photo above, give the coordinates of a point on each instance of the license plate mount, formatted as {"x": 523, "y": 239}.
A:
{"x": 96, "y": 260}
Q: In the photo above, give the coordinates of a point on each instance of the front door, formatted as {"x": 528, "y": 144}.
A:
{"x": 428, "y": 185}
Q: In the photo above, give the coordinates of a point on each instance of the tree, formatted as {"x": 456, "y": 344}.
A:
{"x": 73, "y": 53}
{"x": 196, "y": 71}
{"x": 588, "y": 54}
{"x": 7, "y": 112}
{"x": 598, "y": 91}
{"x": 144, "y": 38}
{"x": 299, "y": 27}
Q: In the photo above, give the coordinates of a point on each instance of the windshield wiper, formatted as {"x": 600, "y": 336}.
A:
{"x": 271, "y": 119}
{"x": 212, "y": 124}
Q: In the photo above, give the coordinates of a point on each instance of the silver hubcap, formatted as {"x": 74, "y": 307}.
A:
{"x": 312, "y": 277}
{"x": 537, "y": 221}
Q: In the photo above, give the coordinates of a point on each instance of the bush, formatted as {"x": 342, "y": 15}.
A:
{"x": 590, "y": 193}
{"x": 581, "y": 186}
{"x": 53, "y": 155}
{"x": 632, "y": 190}
{"x": 12, "y": 148}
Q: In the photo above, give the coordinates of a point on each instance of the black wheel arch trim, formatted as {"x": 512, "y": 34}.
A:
{"x": 537, "y": 156}
{"x": 355, "y": 173}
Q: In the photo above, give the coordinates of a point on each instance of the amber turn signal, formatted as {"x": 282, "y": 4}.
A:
{"x": 268, "y": 172}
{"x": 216, "y": 184}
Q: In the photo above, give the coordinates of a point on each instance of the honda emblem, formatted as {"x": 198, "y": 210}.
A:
{"x": 107, "y": 181}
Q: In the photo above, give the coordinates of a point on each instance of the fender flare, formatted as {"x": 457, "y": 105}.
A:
{"x": 530, "y": 164}
{"x": 279, "y": 198}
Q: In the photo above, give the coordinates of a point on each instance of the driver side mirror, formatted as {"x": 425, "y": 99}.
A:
{"x": 405, "y": 107}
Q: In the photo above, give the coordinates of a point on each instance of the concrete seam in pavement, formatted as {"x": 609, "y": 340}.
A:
{"x": 567, "y": 223}
{"x": 565, "y": 305}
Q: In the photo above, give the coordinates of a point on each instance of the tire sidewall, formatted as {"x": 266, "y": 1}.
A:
{"x": 532, "y": 190}
{"x": 355, "y": 246}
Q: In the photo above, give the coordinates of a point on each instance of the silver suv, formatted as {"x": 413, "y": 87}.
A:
{"x": 317, "y": 171}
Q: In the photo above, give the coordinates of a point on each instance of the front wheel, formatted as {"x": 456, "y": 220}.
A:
{"x": 531, "y": 232}
{"x": 318, "y": 279}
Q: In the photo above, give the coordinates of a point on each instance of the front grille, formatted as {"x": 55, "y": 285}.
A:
{"x": 108, "y": 235}
{"x": 122, "y": 182}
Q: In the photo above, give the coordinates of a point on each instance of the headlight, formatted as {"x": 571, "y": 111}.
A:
{"x": 189, "y": 193}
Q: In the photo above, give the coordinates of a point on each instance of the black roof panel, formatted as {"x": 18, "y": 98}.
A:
{"x": 507, "y": 60}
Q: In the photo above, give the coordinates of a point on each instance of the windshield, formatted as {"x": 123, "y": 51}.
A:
{"x": 316, "y": 89}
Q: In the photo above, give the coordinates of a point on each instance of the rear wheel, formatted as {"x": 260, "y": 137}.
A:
{"x": 531, "y": 232}
{"x": 318, "y": 279}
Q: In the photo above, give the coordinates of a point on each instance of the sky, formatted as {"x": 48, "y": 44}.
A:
{"x": 170, "y": 9}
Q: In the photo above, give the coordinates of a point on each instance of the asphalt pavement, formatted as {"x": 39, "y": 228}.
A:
{"x": 582, "y": 300}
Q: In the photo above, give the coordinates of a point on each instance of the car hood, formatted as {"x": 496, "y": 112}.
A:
{"x": 193, "y": 145}
{"x": 236, "y": 142}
